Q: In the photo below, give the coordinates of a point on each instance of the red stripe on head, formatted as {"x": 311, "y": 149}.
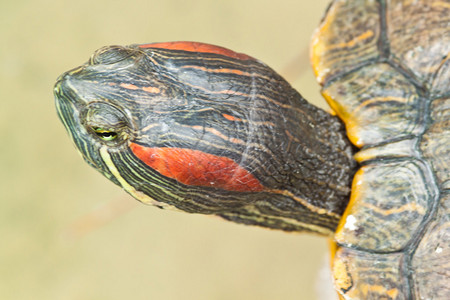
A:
{"x": 197, "y": 168}
{"x": 198, "y": 47}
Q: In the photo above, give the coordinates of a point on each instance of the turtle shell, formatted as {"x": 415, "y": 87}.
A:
{"x": 385, "y": 70}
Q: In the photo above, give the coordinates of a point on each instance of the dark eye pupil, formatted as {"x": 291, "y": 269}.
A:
{"x": 107, "y": 134}
{"x": 104, "y": 134}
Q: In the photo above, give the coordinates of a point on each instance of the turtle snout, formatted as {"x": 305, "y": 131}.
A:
{"x": 63, "y": 88}
{"x": 57, "y": 89}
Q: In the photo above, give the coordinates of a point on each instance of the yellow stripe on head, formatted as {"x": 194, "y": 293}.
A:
{"x": 126, "y": 186}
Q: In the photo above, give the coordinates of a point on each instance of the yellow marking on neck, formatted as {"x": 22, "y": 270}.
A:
{"x": 266, "y": 219}
{"x": 314, "y": 228}
{"x": 126, "y": 186}
{"x": 312, "y": 208}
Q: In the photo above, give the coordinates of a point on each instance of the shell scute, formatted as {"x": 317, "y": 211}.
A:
{"x": 431, "y": 261}
{"x": 389, "y": 202}
{"x": 392, "y": 90}
{"x": 346, "y": 38}
{"x": 435, "y": 143}
{"x": 377, "y": 103}
{"x": 360, "y": 275}
{"x": 422, "y": 40}
{"x": 441, "y": 82}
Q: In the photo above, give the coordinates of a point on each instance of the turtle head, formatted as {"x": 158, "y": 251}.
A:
{"x": 152, "y": 127}
{"x": 203, "y": 129}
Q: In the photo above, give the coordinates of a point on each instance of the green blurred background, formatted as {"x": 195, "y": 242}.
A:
{"x": 68, "y": 233}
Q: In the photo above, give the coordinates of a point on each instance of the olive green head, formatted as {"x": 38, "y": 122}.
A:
{"x": 203, "y": 129}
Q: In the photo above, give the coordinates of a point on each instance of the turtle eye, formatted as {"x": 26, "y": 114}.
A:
{"x": 106, "y": 123}
{"x": 104, "y": 134}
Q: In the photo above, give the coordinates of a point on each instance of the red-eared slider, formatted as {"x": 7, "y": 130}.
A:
{"x": 203, "y": 129}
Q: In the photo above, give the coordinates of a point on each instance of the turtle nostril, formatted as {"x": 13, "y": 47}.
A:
{"x": 110, "y": 55}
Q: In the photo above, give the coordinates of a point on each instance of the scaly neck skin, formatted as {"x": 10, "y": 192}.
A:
{"x": 306, "y": 169}
{"x": 253, "y": 150}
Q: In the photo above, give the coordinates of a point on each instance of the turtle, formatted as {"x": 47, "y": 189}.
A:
{"x": 203, "y": 129}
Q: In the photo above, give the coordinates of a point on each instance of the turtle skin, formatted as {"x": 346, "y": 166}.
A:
{"x": 384, "y": 68}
